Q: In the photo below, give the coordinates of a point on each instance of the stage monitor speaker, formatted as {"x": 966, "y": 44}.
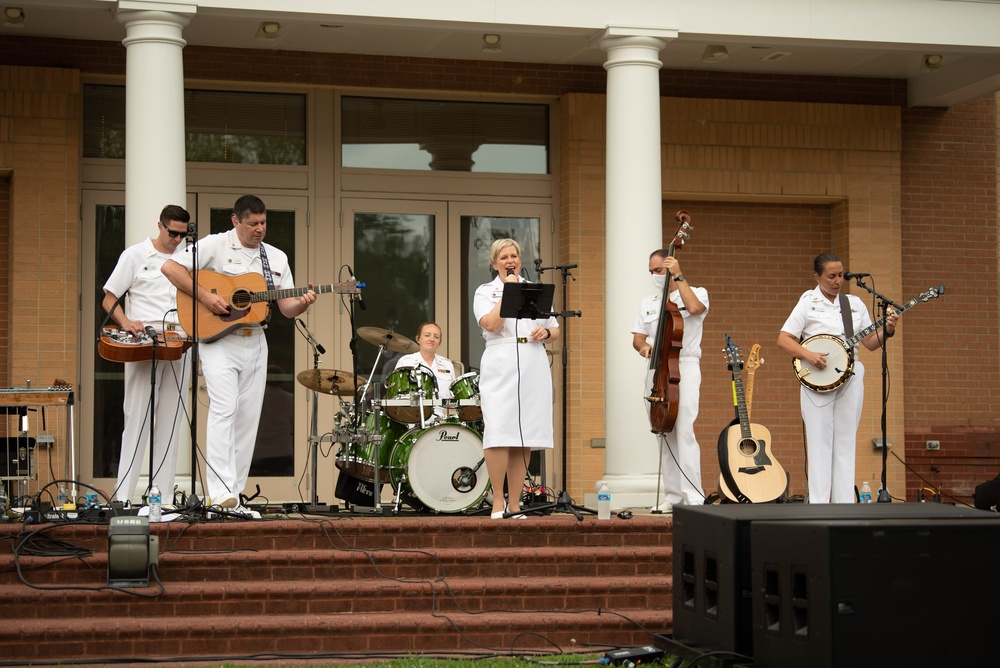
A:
{"x": 887, "y": 592}
{"x": 712, "y": 588}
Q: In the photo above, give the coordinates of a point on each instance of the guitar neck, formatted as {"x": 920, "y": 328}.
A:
{"x": 272, "y": 295}
{"x": 853, "y": 341}
{"x": 741, "y": 405}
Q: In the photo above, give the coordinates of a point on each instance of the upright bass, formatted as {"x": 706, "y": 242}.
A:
{"x": 664, "y": 361}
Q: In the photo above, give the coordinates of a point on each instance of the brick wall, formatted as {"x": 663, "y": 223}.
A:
{"x": 39, "y": 108}
{"x": 949, "y": 185}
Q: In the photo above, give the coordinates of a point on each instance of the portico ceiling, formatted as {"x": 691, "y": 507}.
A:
{"x": 888, "y": 39}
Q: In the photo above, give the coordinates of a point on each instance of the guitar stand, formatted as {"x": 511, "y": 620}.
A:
{"x": 563, "y": 503}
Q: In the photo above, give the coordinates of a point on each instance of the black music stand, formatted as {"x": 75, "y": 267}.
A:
{"x": 527, "y": 300}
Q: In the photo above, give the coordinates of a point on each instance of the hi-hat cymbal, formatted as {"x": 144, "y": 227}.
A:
{"x": 329, "y": 381}
{"x": 394, "y": 341}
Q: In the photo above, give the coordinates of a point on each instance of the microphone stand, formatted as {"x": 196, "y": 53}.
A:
{"x": 152, "y": 411}
{"x": 883, "y": 308}
{"x": 192, "y": 238}
{"x": 318, "y": 349}
{"x": 565, "y": 315}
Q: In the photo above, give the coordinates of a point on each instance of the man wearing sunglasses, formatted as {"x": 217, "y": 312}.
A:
{"x": 150, "y": 304}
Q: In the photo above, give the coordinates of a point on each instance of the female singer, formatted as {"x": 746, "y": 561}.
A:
{"x": 515, "y": 385}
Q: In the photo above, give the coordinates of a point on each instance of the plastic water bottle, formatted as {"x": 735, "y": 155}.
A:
{"x": 604, "y": 502}
{"x": 61, "y": 499}
{"x": 155, "y": 505}
{"x": 866, "y": 493}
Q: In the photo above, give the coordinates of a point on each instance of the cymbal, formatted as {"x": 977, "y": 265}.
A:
{"x": 329, "y": 381}
{"x": 394, "y": 341}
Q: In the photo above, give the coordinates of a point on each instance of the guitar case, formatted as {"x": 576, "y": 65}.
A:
{"x": 987, "y": 495}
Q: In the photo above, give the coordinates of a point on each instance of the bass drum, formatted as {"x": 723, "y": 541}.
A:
{"x": 432, "y": 468}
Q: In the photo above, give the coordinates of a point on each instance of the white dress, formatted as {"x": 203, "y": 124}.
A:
{"x": 515, "y": 383}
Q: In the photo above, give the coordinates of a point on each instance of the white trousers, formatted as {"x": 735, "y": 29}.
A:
{"x": 680, "y": 454}
{"x": 235, "y": 369}
{"x": 168, "y": 420}
{"x": 831, "y": 421}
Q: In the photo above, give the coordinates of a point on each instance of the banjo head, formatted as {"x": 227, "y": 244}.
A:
{"x": 839, "y": 364}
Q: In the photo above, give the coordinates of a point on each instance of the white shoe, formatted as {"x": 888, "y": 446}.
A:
{"x": 226, "y": 500}
{"x": 246, "y": 512}
{"x": 665, "y": 507}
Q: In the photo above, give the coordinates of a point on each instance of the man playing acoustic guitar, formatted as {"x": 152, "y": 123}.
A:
{"x": 235, "y": 364}
{"x": 150, "y": 304}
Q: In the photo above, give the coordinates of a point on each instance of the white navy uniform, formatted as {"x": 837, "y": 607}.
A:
{"x": 831, "y": 418}
{"x": 151, "y": 298}
{"x": 681, "y": 479}
{"x": 515, "y": 384}
{"x": 235, "y": 366}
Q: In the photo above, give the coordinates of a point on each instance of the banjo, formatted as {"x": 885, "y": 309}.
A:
{"x": 840, "y": 354}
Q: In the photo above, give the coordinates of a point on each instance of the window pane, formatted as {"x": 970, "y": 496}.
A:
{"x": 274, "y": 452}
{"x": 220, "y": 126}
{"x": 393, "y": 255}
{"x": 388, "y": 133}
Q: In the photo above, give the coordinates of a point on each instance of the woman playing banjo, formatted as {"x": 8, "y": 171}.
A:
{"x": 831, "y": 418}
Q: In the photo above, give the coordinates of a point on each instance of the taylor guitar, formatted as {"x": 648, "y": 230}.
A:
{"x": 119, "y": 345}
{"x": 248, "y": 299}
{"x": 750, "y": 473}
{"x": 664, "y": 360}
{"x": 840, "y": 353}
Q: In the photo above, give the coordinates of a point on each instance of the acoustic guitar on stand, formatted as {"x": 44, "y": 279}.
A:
{"x": 750, "y": 473}
{"x": 248, "y": 298}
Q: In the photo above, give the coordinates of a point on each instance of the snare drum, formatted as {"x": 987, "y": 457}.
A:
{"x": 410, "y": 391}
{"x": 465, "y": 391}
{"x": 432, "y": 468}
{"x": 358, "y": 459}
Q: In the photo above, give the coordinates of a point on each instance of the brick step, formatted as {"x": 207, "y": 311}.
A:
{"x": 314, "y": 635}
{"x": 355, "y": 565}
{"x": 274, "y": 598}
{"x": 420, "y": 532}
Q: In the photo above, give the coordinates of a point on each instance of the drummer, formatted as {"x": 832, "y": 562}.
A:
{"x": 428, "y": 339}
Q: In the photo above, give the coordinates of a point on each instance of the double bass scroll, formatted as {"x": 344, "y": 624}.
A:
{"x": 664, "y": 361}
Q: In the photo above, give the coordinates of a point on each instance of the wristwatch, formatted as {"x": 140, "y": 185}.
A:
{"x": 678, "y": 278}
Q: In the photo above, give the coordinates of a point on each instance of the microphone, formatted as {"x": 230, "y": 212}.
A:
{"x": 309, "y": 337}
{"x": 192, "y": 232}
{"x": 150, "y": 332}
{"x": 851, "y": 275}
{"x": 538, "y": 265}
{"x": 510, "y": 271}
{"x": 361, "y": 300}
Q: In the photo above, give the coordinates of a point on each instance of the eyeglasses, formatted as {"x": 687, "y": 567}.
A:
{"x": 173, "y": 233}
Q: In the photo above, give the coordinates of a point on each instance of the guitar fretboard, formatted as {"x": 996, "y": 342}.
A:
{"x": 272, "y": 295}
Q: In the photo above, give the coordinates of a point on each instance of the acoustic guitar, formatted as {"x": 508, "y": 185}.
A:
{"x": 750, "y": 473}
{"x": 248, "y": 298}
{"x": 118, "y": 345}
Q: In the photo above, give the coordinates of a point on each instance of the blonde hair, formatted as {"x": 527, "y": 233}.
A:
{"x": 499, "y": 245}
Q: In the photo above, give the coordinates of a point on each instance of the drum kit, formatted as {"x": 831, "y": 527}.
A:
{"x": 428, "y": 448}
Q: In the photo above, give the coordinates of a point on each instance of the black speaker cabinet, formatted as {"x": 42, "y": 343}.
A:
{"x": 875, "y": 592}
{"x": 712, "y": 599}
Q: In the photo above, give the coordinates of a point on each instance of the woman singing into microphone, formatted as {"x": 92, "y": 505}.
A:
{"x": 515, "y": 386}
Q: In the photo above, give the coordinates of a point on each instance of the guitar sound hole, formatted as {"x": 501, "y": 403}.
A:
{"x": 748, "y": 447}
{"x": 241, "y": 299}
